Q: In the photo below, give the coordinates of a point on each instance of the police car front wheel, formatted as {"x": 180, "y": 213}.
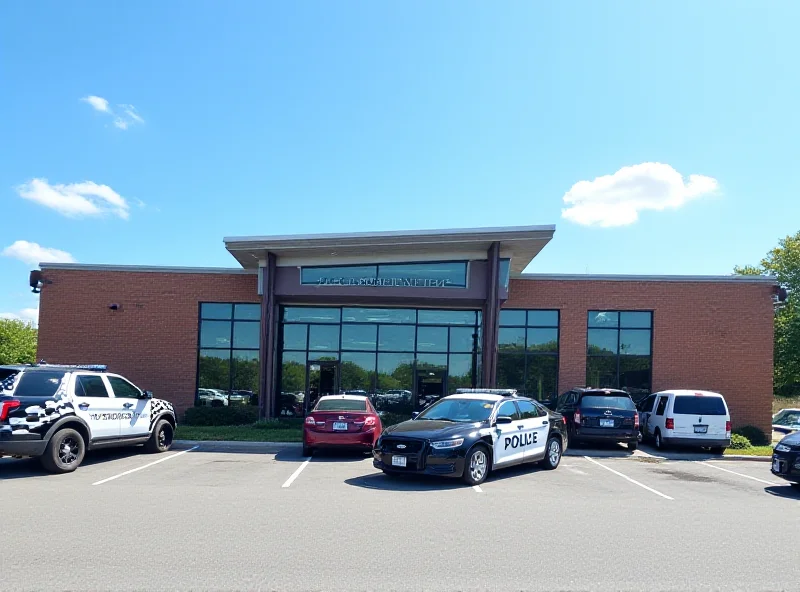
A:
{"x": 476, "y": 465}
{"x": 161, "y": 438}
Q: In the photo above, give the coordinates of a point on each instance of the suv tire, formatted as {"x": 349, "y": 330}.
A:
{"x": 657, "y": 441}
{"x": 307, "y": 450}
{"x": 161, "y": 438}
{"x": 64, "y": 452}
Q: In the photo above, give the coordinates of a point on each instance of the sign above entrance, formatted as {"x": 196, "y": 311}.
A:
{"x": 446, "y": 274}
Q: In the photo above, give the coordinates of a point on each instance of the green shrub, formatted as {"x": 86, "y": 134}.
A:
{"x": 221, "y": 416}
{"x": 756, "y": 436}
{"x": 739, "y": 442}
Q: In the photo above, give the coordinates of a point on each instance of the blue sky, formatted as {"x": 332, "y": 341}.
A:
{"x": 212, "y": 119}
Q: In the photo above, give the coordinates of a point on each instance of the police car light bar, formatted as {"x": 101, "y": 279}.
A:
{"x": 487, "y": 391}
{"x": 90, "y": 367}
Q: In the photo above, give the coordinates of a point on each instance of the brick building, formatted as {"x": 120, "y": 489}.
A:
{"x": 407, "y": 317}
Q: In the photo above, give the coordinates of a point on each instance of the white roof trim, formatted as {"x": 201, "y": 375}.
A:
{"x": 741, "y": 279}
{"x": 147, "y": 268}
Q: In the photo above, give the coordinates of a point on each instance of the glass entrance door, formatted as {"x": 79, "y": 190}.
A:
{"x": 430, "y": 386}
{"x": 323, "y": 379}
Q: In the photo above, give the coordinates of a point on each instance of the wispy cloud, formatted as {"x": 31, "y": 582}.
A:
{"x": 124, "y": 116}
{"x": 617, "y": 200}
{"x": 34, "y": 253}
{"x": 76, "y": 199}
{"x": 27, "y": 315}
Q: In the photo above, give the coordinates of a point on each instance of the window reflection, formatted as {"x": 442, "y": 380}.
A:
{"x": 511, "y": 339}
{"x": 528, "y": 352}
{"x": 216, "y": 310}
{"x": 245, "y": 378}
{"x": 379, "y": 315}
{"x": 359, "y": 337}
{"x": 294, "y": 336}
{"x": 627, "y": 367}
{"x": 214, "y": 376}
{"x": 432, "y": 339}
{"x": 358, "y": 373}
{"x": 293, "y": 384}
{"x": 397, "y": 338}
{"x": 310, "y": 314}
{"x": 323, "y": 337}
{"x": 215, "y": 334}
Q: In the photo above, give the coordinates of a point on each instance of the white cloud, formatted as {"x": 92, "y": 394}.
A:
{"x": 124, "y": 116}
{"x": 97, "y": 103}
{"x": 29, "y": 315}
{"x": 76, "y": 199}
{"x": 34, "y": 253}
{"x": 617, "y": 200}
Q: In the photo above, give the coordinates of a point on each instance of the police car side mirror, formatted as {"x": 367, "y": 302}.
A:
{"x": 502, "y": 419}
{"x": 147, "y": 395}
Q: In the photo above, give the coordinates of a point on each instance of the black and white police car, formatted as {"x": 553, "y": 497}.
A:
{"x": 471, "y": 433}
{"x": 57, "y": 413}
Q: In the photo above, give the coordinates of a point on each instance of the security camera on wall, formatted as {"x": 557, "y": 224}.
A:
{"x": 36, "y": 281}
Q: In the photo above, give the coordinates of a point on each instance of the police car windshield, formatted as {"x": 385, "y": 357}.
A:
{"x": 462, "y": 410}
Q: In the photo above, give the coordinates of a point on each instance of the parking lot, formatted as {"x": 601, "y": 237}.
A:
{"x": 270, "y": 519}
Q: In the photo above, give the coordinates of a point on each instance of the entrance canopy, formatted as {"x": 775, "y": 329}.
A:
{"x": 518, "y": 243}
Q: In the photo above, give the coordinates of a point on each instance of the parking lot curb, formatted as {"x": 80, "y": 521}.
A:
{"x": 233, "y": 446}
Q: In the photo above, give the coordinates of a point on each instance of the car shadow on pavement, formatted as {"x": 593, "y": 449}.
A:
{"x": 322, "y": 456}
{"x": 786, "y": 491}
{"x": 600, "y": 450}
{"x": 383, "y": 482}
{"x": 19, "y": 468}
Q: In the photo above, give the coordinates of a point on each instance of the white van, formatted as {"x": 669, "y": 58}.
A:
{"x": 686, "y": 418}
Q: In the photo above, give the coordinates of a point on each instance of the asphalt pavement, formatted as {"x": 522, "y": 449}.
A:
{"x": 200, "y": 519}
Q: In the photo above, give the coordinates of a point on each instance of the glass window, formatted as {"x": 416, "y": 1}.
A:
{"x": 395, "y": 372}
{"x": 511, "y": 339}
{"x": 635, "y": 320}
{"x": 293, "y": 384}
{"x": 646, "y": 406}
{"x": 39, "y": 384}
{"x": 341, "y": 405}
{"x": 323, "y": 337}
{"x": 310, "y": 315}
{"x": 447, "y": 317}
{"x": 358, "y": 373}
{"x": 432, "y": 339}
{"x": 396, "y": 338}
{"x": 461, "y": 339}
{"x": 432, "y": 361}
{"x": 543, "y": 340}
{"x": 343, "y": 275}
{"x": 508, "y": 409}
{"x": 123, "y": 389}
{"x": 528, "y": 410}
{"x": 512, "y": 318}
{"x": 85, "y": 386}
{"x": 294, "y": 336}
{"x": 247, "y": 312}
{"x": 543, "y": 318}
{"x": 601, "y": 371}
{"x": 634, "y": 342}
{"x": 215, "y": 334}
{"x": 214, "y": 377}
{"x": 698, "y": 405}
{"x": 607, "y": 402}
{"x": 504, "y": 272}
{"x": 380, "y": 315}
{"x": 450, "y": 273}
{"x": 604, "y": 319}
{"x": 511, "y": 371}
{"x": 246, "y": 335}
{"x": 360, "y": 337}
{"x": 541, "y": 377}
{"x": 459, "y": 374}
{"x": 245, "y": 377}
{"x": 602, "y": 342}
{"x": 662, "y": 405}
{"x": 216, "y": 310}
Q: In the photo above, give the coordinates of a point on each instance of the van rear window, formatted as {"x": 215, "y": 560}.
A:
{"x": 698, "y": 405}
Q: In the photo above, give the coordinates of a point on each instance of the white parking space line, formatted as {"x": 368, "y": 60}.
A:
{"x": 735, "y": 473}
{"x": 160, "y": 460}
{"x": 634, "y": 481}
{"x": 477, "y": 488}
{"x": 299, "y": 470}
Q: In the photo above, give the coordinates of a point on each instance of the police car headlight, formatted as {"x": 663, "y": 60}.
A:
{"x": 782, "y": 448}
{"x": 443, "y": 444}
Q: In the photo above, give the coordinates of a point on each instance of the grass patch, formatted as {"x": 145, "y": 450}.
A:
{"x": 752, "y": 451}
{"x": 276, "y": 430}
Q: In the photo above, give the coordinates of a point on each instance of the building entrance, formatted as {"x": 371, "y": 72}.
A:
{"x": 323, "y": 380}
{"x": 431, "y": 385}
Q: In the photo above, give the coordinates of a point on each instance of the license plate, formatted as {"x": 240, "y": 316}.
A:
{"x": 339, "y": 425}
{"x": 700, "y": 429}
{"x": 606, "y": 423}
{"x": 398, "y": 461}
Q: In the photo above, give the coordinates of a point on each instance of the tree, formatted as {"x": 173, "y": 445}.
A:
{"x": 784, "y": 263}
{"x": 17, "y": 342}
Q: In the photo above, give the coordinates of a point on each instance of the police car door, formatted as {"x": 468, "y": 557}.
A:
{"x": 94, "y": 405}
{"x": 536, "y": 424}
{"x": 508, "y": 447}
{"x": 135, "y": 418}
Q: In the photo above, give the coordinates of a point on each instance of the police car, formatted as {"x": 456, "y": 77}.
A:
{"x": 471, "y": 433}
{"x": 57, "y": 413}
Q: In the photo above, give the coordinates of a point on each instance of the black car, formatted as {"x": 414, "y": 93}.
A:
{"x": 600, "y": 415}
{"x": 786, "y": 459}
{"x": 471, "y": 433}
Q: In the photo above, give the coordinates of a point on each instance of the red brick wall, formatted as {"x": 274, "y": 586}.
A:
{"x": 711, "y": 336}
{"x": 152, "y": 339}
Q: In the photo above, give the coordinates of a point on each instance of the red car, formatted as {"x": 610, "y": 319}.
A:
{"x": 341, "y": 421}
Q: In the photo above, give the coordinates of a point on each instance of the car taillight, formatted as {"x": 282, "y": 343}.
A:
{"x": 636, "y": 420}
{"x": 310, "y": 420}
{"x": 370, "y": 421}
{"x": 577, "y": 416}
{"x": 6, "y": 407}
{"x": 670, "y": 423}
{"x": 727, "y": 426}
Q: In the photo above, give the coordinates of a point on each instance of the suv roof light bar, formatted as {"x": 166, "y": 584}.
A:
{"x": 92, "y": 367}
{"x": 488, "y": 391}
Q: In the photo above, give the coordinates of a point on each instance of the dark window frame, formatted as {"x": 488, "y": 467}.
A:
{"x": 528, "y": 353}
{"x": 618, "y": 356}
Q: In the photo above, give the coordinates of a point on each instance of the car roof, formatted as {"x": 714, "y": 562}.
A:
{"x": 604, "y": 391}
{"x": 477, "y": 397}
{"x": 689, "y": 392}
{"x": 345, "y": 397}
{"x": 794, "y": 409}
{"x": 57, "y": 367}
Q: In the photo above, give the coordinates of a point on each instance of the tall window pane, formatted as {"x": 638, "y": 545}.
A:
{"x": 395, "y": 383}
{"x": 542, "y": 318}
{"x": 542, "y": 340}
{"x": 214, "y": 378}
{"x": 634, "y": 375}
{"x": 541, "y": 378}
{"x": 361, "y": 337}
{"x": 634, "y": 342}
{"x": 358, "y": 373}
{"x": 601, "y": 371}
{"x": 462, "y": 340}
{"x": 630, "y": 366}
{"x": 215, "y": 334}
{"x": 216, "y": 310}
{"x": 246, "y": 334}
{"x": 247, "y": 312}
{"x": 511, "y": 371}
{"x": 602, "y": 342}
{"x": 293, "y": 384}
{"x": 459, "y": 374}
{"x": 295, "y": 336}
{"x": 323, "y": 337}
{"x": 604, "y": 319}
{"x": 635, "y": 320}
{"x": 513, "y": 318}
{"x": 245, "y": 377}
{"x": 511, "y": 339}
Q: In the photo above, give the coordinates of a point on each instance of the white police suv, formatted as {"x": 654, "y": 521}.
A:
{"x": 57, "y": 413}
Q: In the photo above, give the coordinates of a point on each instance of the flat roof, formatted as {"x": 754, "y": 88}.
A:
{"x": 145, "y": 268}
{"x": 560, "y": 277}
{"x": 520, "y": 243}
